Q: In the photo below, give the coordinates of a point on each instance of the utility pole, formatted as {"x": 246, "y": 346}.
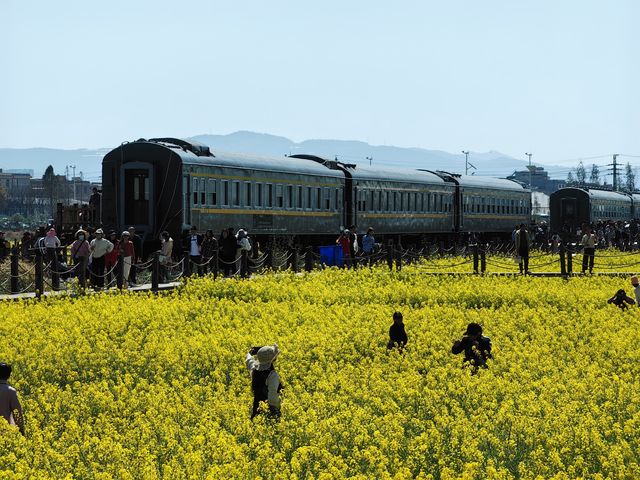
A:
{"x": 615, "y": 172}
{"x": 530, "y": 188}
{"x": 81, "y": 189}
{"x": 73, "y": 178}
{"x": 466, "y": 162}
{"x": 530, "y": 175}
{"x": 370, "y": 160}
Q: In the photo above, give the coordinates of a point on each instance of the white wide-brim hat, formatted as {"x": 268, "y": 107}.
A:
{"x": 267, "y": 354}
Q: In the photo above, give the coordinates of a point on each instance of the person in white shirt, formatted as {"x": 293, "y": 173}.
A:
{"x": 195, "y": 249}
{"x": 588, "y": 242}
{"x": 265, "y": 382}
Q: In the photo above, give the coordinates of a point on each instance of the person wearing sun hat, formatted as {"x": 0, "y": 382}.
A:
{"x": 127, "y": 251}
{"x": 265, "y": 382}
{"x": 100, "y": 248}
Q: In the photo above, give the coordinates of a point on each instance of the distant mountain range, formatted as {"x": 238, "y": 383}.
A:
{"x": 89, "y": 161}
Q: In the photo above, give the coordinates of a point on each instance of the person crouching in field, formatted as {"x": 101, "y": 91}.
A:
{"x": 476, "y": 347}
{"x": 620, "y": 299}
{"x": 265, "y": 382}
{"x": 397, "y": 335}
{"x": 10, "y": 407}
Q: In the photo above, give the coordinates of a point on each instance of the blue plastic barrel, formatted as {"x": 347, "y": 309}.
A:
{"x": 331, "y": 256}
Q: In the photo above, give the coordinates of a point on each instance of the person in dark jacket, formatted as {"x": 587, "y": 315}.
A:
{"x": 193, "y": 244}
{"x": 397, "y": 335}
{"x": 620, "y": 299}
{"x": 209, "y": 248}
{"x": 228, "y": 247}
{"x": 476, "y": 347}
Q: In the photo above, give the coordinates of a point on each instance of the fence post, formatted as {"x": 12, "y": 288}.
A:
{"x": 39, "y": 274}
{"x": 268, "y": 261}
{"x": 14, "y": 270}
{"x": 390, "y": 254}
{"x": 82, "y": 273}
{"x": 483, "y": 260}
{"x": 398, "y": 260}
{"x": 244, "y": 264}
{"x": 474, "y": 249}
{"x": 569, "y": 261}
{"x": 55, "y": 275}
{"x": 563, "y": 270}
{"x": 120, "y": 272}
{"x": 186, "y": 265}
{"x": 308, "y": 259}
{"x": 294, "y": 260}
{"x": 216, "y": 264}
{"x": 155, "y": 272}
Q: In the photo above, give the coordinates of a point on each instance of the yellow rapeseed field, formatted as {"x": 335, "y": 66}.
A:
{"x": 136, "y": 386}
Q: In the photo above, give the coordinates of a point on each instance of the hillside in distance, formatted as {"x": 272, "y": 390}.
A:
{"x": 89, "y": 161}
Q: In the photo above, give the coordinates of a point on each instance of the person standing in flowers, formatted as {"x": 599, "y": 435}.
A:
{"x": 10, "y": 407}
{"x": 522, "y": 242}
{"x": 588, "y": 243}
{"x": 265, "y": 382}
{"x": 476, "y": 347}
{"x": 397, "y": 334}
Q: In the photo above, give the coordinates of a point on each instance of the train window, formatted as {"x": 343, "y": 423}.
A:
{"x": 212, "y": 192}
{"x": 247, "y": 193}
{"x": 195, "y": 190}
{"x": 224, "y": 193}
{"x": 203, "y": 198}
{"x": 259, "y": 195}
{"x": 299, "y": 199}
{"x": 337, "y": 199}
{"x": 279, "y": 197}
{"x": 269, "y": 195}
{"x": 327, "y": 198}
{"x": 146, "y": 188}
{"x": 236, "y": 193}
{"x": 309, "y": 198}
{"x": 318, "y": 198}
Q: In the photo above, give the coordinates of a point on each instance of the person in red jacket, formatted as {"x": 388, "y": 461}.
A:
{"x": 128, "y": 253}
{"x": 111, "y": 258}
{"x": 343, "y": 241}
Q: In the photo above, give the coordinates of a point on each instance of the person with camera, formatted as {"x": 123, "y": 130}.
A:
{"x": 265, "y": 382}
{"x": 476, "y": 347}
{"x": 620, "y": 300}
{"x": 636, "y": 288}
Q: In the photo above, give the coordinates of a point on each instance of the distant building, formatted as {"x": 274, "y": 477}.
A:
{"x": 539, "y": 180}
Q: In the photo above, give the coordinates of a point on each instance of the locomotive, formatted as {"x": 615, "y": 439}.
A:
{"x": 170, "y": 184}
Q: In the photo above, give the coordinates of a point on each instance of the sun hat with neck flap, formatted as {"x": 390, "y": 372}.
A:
{"x": 267, "y": 354}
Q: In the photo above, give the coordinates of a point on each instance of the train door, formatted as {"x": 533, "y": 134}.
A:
{"x": 137, "y": 192}
{"x": 569, "y": 212}
{"x": 186, "y": 199}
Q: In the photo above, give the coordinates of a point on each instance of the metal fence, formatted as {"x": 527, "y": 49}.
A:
{"x": 39, "y": 272}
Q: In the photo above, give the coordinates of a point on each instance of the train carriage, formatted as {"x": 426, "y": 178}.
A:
{"x": 396, "y": 201}
{"x": 170, "y": 184}
{"x": 492, "y": 204}
{"x": 571, "y": 207}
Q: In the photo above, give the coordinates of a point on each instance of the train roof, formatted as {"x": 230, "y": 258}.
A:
{"x": 489, "y": 182}
{"x": 596, "y": 194}
{"x": 190, "y": 156}
{"x": 394, "y": 174}
{"x": 474, "y": 181}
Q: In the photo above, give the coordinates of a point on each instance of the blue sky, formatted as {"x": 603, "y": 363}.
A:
{"x": 557, "y": 78}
